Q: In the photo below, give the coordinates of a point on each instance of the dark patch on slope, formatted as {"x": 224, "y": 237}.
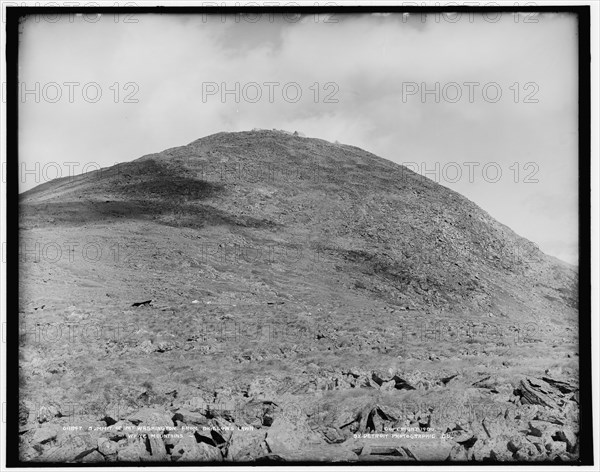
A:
{"x": 394, "y": 279}
{"x": 81, "y": 213}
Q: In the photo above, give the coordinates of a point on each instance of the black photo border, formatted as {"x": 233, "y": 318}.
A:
{"x": 13, "y": 16}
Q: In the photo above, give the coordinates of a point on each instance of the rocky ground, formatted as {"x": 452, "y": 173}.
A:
{"x": 306, "y": 302}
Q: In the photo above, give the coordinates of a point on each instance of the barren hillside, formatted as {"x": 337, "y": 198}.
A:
{"x": 303, "y": 296}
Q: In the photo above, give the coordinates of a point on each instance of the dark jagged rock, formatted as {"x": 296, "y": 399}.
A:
{"x": 537, "y": 392}
{"x": 563, "y": 387}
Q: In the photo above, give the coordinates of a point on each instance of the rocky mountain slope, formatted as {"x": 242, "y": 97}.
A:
{"x": 307, "y": 301}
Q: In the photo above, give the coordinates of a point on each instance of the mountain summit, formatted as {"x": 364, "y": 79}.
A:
{"x": 362, "y": 224}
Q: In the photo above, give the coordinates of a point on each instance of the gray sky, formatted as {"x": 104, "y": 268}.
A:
{"x": 369, "y": 72}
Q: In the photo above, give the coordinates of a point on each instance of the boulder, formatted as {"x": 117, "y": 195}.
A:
{"x": 333, "y": 435}
{"x": 556, "y": 448}
{"x": 188, "y": 449}
{"x": 528, "y": 452}
{"x": 542, "y": 429}
{"x": 47, "y": 412}
{"x": 538, "y": 392}
{"x": 69, "y": 448}
{"x": 158, "y": 450}
{"x": 45, "y": 434}
{"x": 563, "y": 387}
{"x": 151, "y": 417}
{"x": 458, "y": 454}
{"x": 92, "y": 457}
{"x": 134, "y": 451}
{"x": 246, "y": 446}
{"x": 567, "y": 435}
{"x": 189, "y": 417}
{"x": 516, "y": 443}
{"x": 107, "y": 447}
{"x": 285, "y": 436}
{"x": 494, "y": 449}
{"x": 495, "y": 427}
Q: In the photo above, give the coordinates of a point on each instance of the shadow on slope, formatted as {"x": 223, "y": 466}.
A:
{"x": 78, "y": 213}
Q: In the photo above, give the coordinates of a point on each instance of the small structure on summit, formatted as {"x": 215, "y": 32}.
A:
{"x": 289, "y": 133}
